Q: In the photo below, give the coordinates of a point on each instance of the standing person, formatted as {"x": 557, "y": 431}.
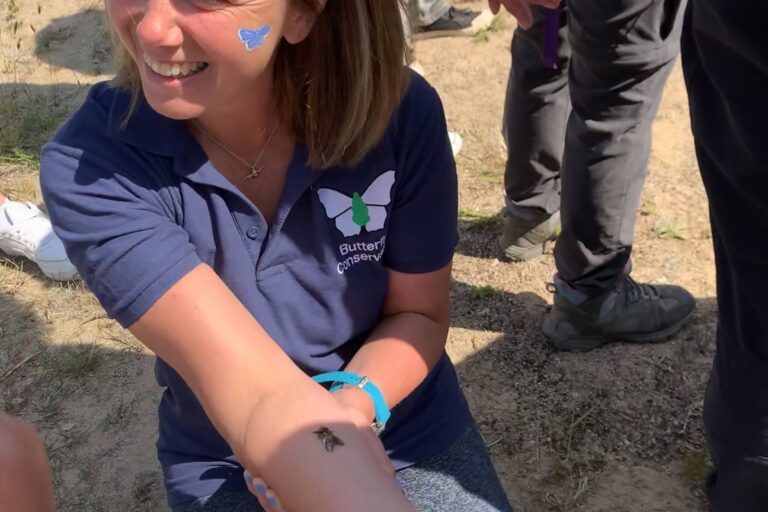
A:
{"x": 725, "y": 63}
{"x": 26, "y": 231}
{"x": 253, "y": 197}
{"x": 582, "y": 124}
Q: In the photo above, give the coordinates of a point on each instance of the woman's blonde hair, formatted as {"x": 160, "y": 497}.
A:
{"x": 339, "y": 87}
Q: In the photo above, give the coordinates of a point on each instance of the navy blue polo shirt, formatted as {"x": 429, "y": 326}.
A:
{"x": 139, "y": 207}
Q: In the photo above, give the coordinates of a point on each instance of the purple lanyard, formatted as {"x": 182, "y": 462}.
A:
{"x": 550, "y": 46}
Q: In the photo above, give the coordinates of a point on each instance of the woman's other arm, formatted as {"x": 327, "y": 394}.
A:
{"x": 408, "y": 341}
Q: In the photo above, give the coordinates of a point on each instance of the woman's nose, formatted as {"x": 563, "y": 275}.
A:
{"x": 158, "y": 26}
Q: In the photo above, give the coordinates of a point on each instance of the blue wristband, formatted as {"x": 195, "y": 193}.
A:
{"x": 379, "y": 404}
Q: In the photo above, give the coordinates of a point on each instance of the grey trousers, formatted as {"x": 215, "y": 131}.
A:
{"x": 579, "y": 136}
{"x": 461, "y": 478}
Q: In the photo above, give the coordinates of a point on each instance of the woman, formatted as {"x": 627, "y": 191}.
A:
{"x": 262, "y": 196}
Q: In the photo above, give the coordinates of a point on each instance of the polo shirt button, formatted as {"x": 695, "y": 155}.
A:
{"x": 252, "y": 233}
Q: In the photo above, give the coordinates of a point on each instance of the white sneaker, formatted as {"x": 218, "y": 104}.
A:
{"x": 456, "y": 142}
{"x": 26, "y": 231}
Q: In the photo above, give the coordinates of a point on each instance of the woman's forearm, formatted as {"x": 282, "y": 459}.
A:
{"x": 407, "y": 342}
{"x": 397, "y": 357}
{"x": 200, "y": 328}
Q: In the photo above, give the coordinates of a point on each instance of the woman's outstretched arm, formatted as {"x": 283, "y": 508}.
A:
{"x": 260, "y": 401}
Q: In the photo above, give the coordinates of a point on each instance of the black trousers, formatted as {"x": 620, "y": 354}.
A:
{"x": 725, "y": 61}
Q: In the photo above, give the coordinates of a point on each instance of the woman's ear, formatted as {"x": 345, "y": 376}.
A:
{"x": 300, "y": 20}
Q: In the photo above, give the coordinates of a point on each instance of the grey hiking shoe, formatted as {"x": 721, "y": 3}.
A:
{"x": 638, "y": 313}
{"x": 523, "y": 240}
{"x": 456, "y": 22}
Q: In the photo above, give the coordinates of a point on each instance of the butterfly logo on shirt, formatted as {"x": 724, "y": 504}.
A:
{"x": 253, "y": 38}
{"x": 367, "y": 210}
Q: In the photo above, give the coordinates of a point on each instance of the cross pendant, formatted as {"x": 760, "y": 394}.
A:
{"x": 254, "y": 173}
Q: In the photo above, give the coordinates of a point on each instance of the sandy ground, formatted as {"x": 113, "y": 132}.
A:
{"x": 618, "y": 429}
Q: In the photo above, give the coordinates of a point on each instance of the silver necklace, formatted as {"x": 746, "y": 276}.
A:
{"x": 253, "y": 169}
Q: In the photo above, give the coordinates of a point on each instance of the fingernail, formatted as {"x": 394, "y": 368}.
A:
{"x": 272, "y": 500}
{"x": 248, "y": 478}
{"x": 261, "y": 489}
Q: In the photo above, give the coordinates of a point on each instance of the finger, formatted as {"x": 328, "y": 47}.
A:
{"x": 273, "y": 503}
{"x": 261, "y": 492}
{"x": 388, "y": 468}
{"x": 258, "y": 488}
{"x": 378, "y": 452}
{"x": 521, "y": 11}
{"x": 385, "y": 463}
{"x": 249, "y": 481}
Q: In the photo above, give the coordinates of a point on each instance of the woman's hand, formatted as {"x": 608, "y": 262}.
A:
{"x": 267, "y": 497}
{"x": 521, "y": 9}
{"x": 359, "y": 407}
{"x": 352, "y": 401}
{"x": 284, "y": 446}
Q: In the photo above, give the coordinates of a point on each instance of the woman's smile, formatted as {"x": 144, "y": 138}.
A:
{"x": 174, "y": 69}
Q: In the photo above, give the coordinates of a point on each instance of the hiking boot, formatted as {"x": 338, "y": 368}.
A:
{"x": 26, "y": 231}
{"x": 523, "y": 240}
{"x": 633, "y": 312}
{"x": 456, "y": 22}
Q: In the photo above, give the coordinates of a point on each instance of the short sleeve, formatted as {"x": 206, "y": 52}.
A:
{"x": 113, "y": 212}
{"x": 423, "y": 230}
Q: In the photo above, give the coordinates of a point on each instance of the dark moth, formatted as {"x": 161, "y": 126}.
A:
{"x": 328, "y": 439}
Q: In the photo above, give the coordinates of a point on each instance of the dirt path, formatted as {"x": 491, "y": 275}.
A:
{"x": 615, "y": 430}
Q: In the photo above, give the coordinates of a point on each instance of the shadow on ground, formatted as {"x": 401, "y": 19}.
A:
{"x": 478, "y": 236}
{"x": 79, "y": 42}
{"x": 560, "y": 424}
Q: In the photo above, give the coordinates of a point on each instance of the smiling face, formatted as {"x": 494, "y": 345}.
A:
{"x": 198, "y": 56}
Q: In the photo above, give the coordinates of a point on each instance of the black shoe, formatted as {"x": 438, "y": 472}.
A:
{"x": 638, "y": 313}
{"x": 456, "y": 22}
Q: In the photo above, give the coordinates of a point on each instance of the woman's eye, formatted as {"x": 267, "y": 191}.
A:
{"x": 209, "y": 4}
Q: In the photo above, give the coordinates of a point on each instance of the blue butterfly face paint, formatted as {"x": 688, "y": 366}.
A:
{"x": 253, "y": 38}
